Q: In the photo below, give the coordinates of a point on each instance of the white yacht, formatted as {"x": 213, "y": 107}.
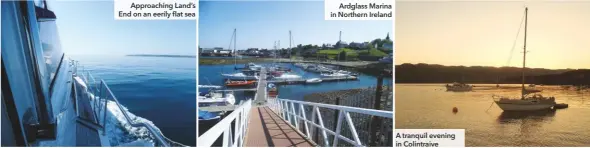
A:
{"x": 459, "y": 87}
{"x": 525, "y": 102}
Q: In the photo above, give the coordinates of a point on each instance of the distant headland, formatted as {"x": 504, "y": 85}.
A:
{"x": 162, "y": 55}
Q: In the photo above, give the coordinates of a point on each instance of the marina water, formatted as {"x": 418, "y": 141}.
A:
{"x": 159, "y": 89}
{"x": 429, "y": 106}
{"x": 211, "y": 75}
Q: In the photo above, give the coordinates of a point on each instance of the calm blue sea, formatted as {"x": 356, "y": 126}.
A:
{"x": 160, "y": 89}
{"x": 211, "y": 75}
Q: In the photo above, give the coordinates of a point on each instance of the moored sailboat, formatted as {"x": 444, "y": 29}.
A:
{"x": 241, "y": 75}
{"x": 525, "y": 102}
{"x": 459, "y": 87}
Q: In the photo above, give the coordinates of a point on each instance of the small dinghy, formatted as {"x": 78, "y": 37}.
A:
{"x": 560, "y": 106}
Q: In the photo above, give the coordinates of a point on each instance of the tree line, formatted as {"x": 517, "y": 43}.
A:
{"x": 433, "y": 73}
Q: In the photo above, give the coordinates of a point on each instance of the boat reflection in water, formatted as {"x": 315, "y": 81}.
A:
{"x": 537, "y": 116}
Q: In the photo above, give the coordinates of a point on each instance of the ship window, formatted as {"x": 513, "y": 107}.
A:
{"x": 39, "y": 3}
{"x": 42, "y": 4}
{"x": 50, "y": 43}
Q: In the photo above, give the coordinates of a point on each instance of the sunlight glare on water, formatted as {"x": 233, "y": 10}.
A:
{"x": 429, "y": 106}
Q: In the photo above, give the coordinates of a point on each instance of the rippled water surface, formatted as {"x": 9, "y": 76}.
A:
{"x": 159, "y": 89}
{"x": 429, "y": 106}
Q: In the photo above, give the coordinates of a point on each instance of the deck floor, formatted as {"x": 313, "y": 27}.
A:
{"x": 85, "y": 135}
{"x": 267, "y": 129}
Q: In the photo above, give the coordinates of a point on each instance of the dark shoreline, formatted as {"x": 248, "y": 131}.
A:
{"x": 156, "y": 55}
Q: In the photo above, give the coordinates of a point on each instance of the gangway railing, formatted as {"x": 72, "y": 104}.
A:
{"x": 101, "y": 94}
{"x": 294, "y": 111}
{"x": 232, "y": 137}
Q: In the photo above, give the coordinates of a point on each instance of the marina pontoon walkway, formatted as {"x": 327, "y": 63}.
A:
{"x": 267, "y": 129}
{"x": 261, "y": 88}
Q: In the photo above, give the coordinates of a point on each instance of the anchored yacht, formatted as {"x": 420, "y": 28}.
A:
{"x": 459, "y": 87}
{"x": 525, "y": 102}
{"x": 47, "y": 101}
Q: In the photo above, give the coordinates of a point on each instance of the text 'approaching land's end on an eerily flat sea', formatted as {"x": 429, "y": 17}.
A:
{"x": 155, "y": 9}
{"x": 359, "y": 9}
{"x": 429, "y": 138}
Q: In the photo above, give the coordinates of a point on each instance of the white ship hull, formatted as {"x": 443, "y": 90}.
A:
{"x": 525, "y": 105}
{"x": 522, "y": 107}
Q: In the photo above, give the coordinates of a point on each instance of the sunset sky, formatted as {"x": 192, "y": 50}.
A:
{"x": 483, "y": 33}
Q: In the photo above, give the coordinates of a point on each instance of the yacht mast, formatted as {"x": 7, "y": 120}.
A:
{"x": 526, "y": 10}
{"x": 234, "y": 52}
{"x": 290, "y": 45}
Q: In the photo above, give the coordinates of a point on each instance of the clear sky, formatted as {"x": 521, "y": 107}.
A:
{"x": 483, "y": 33}
{"x": 89, "y": 28}
{"x": 260, "y": 23}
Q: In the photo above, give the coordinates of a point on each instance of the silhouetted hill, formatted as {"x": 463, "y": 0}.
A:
{"x": 574, "y": 77}
{"x": 432, "y": 73}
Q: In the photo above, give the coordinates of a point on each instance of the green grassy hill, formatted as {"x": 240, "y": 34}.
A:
{"x": 373, "y": 52}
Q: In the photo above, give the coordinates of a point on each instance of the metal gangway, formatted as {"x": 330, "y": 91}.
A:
{"x": 96, "y": 95}
{"x": 294, "y": 122}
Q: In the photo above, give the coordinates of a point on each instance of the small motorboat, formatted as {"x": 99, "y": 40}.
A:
{"x": 205, "y": 116}
{"x": 560, "y": 106}
{"x": 313, "y": 80}
{"x": 209, "y": 86}
{"x": 239, "y": 83}
{"x": 459, "y": 87}
{"x": 213, "y": 98}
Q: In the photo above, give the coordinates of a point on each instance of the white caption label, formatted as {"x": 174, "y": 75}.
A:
{"x": 429, "y": 137}
{"x": 155, "y": 9}
{"x": 359, "y": 9}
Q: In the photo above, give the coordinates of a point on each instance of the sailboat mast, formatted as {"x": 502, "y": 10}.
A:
{"x": 235, "y": 60}
{"x": 526, "y": 10}
{"x": 290, "y": 44}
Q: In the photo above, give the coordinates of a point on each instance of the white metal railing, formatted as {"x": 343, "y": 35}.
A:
{"x": 101, "y": 94}
{"x": 293, "y": 111}
{"x": 239, "y": 117}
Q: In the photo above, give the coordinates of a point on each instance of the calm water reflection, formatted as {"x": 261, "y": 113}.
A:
{"x": 429, "y": 106}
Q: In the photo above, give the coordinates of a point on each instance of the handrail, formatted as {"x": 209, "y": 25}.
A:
{"x": 287, "y": 111}
{"x": 235, "y": 139}
{"x": 159, "y": 137}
